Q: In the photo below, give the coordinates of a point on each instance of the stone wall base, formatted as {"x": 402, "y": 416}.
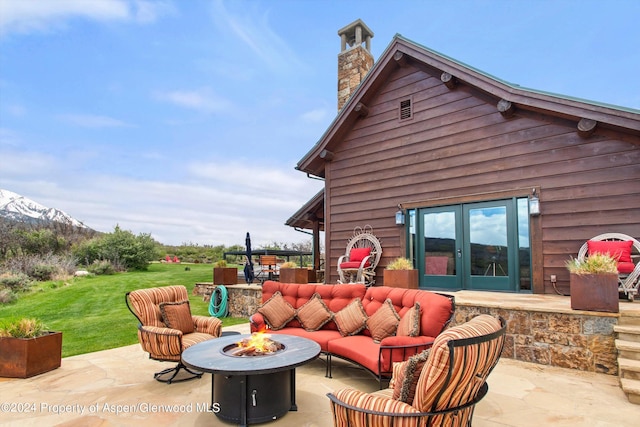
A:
{"x": 567, "y": 340}
{"x": 242, "y": 300}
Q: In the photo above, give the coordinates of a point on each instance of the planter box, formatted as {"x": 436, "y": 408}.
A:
{"x": 311, "y": 276}
{"x": 594, "y": 292}
{"x": 407, "y": 279}
{"x": 225, "y": 276}
{"x": 26, "y": 357}
{"x": 294, "y": 275}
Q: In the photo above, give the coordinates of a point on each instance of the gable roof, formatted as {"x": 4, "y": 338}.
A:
{"x": 403, "y": 51}
{"x": 310, "y": 212}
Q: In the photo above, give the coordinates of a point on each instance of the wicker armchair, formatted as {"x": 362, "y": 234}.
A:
{"x": 629, "y": 272}
{"x": 166, "y": 327}
{"x": 361, "y": 258}
{"x": 443, "y": 391}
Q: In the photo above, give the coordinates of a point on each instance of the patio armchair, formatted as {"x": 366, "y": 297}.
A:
{"x": 166, "y": 327}
{"x": 626, "y": 250}
{"x": 361, "y": 258}
{"x": 438, "y": 387}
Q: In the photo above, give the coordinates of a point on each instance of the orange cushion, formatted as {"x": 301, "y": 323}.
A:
{"x": 618, "y": 249}
{"x": 409, "y": 325}
{"x": 359, "y": 348}
{"x": 314, "y": 313}
{"x": 177, "y": 315}
{"x": 384, "y": 322}
{"x": 358, "y": 254}
{"x": 277, "y": 312}
{"x": 626, "y": 267}
{"x": 351, "y": 319}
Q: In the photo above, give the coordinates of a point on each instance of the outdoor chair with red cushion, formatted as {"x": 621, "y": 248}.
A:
{"x": 438, "y": 387}
{"x": 361, "y": 257}
{"x": 166, "y": 327}
{"x": 626, "y": 250}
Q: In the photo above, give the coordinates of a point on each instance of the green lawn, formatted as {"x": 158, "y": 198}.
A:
{"x": 91, "y": 311}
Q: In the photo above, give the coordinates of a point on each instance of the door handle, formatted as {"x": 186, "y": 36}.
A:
{"x": 459, "y": 253}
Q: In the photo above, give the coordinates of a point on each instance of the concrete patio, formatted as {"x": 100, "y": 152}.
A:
{"x": 116, "y": 388}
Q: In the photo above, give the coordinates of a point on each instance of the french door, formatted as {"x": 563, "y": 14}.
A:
{"x": 473, "y": 246}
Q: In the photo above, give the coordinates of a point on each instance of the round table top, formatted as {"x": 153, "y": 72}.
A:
{"x": 208, "y": 356}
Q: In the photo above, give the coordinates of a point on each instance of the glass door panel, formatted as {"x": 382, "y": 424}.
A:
{"x": 440, "y": 265}
{"x": 487, "y": 246}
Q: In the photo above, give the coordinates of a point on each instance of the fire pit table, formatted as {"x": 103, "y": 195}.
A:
{"x": 251, "y": 387}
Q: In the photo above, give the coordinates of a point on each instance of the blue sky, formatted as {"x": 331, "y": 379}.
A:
{"x": 185, "y": 119}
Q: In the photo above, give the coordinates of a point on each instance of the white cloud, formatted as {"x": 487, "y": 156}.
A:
{"x": 24, "y": 163}
{"x": 254, "y": 30}
{"x": 215, "y": 205}
{"x": 203, "y": 100}
{"x": 28, "y": 16}
{"x": 253, "y": 177}
{"x": 92, "y": 121}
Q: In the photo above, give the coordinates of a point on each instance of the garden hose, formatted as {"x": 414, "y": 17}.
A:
{"x": 218, "y": 302}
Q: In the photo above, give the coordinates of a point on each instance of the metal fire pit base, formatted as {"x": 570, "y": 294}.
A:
{"x": 254, "y": 389}
{"x": 266, "y": 397}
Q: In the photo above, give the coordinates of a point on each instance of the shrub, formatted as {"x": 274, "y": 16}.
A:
{"x": 596, "y": 263}
{"x": 400, "y": 264}
{"x": 7, "y": 296}
{"x": 101, "y": 268}
{"x": 220, "y": 264}
{"x": 43, "y": 272}
{"x": 41, "y": 267}
{"x": 23, "y": 328}
{"x": 289, "y": 264}
{"x": 121, "y": 248}
{"x": 15, "y": 281}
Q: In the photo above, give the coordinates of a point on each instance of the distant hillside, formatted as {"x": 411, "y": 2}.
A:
{"x": 15, "y": 207}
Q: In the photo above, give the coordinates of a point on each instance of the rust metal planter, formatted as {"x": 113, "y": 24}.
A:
{"x": 294, "y": 275}
{"x": 407, "y": 279}
{"x": 26, "y": 357}
{"x": 594, "y": 292}
{"x": 225, "y": 276}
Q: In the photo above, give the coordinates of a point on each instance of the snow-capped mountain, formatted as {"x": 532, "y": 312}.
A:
{"x": 18, "y": 208}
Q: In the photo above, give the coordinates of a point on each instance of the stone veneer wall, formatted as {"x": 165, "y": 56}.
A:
{"x": 242, "y": 300}
{"x": 576, "y": 341}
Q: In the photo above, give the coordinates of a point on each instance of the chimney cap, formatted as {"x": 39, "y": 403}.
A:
{"x": 349, "y": 32}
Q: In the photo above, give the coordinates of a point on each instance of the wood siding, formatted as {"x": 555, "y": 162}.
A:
{"x": 458, "y": 145}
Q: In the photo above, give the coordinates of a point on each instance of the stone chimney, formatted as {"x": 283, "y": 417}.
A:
{"x": 355, "y": 59}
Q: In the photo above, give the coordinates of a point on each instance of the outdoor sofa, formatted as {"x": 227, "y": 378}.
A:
{"x": 370, "y": 326}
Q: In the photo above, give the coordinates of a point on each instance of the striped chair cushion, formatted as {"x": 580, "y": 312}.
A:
{"x": 146, "y": 302}
{"x": 470, "y": 366}
{"x": 371, "y": 401}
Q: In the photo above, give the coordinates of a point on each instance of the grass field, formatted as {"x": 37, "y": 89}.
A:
{"x": 91, "y": 311}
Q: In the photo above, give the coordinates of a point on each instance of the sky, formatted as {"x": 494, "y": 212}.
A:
{"x": 186, "y": 119}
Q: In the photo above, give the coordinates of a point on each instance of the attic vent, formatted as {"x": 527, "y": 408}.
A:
{"x": 405, "y": 109}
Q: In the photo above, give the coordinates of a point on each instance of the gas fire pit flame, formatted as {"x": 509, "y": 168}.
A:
{"x": 258, "y": 344}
